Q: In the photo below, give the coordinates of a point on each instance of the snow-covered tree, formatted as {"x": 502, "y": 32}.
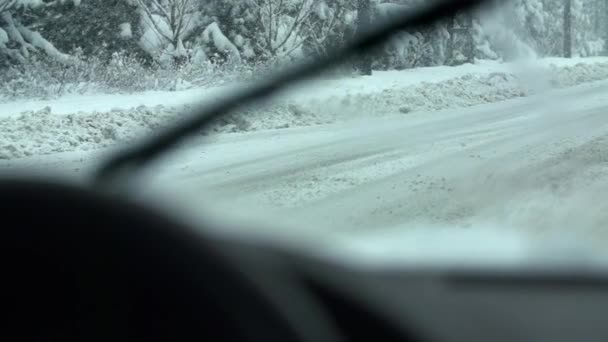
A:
{"x": 586, "y": 40}
{"x": 17, "y": 41}
{"x": 213, "y": 35}
{"x": 172, "y": 32}
{"x": 428, "y": 46}
{"x": 330, "y": 27}
{"x": 167, "y": 24}
{"x": 95, "y": 27}
{"x": 541, "y": 25}
{"x": 285, "y": 25}
{"x": 508, "y": 31}
{"x": 529, "y": 20}
{"x": 273, "y": 30}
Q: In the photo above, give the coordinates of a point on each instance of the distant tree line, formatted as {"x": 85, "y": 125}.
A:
{"x": 171, "y": 33}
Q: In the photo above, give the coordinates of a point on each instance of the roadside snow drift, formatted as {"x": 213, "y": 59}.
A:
{"x": 41, "y": 131}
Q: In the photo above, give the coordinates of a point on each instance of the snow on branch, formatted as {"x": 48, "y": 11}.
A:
{"x": 213, "y": 34}
{"x": 38, "y": 41}
{"x": 166, "y": 25}
{"x": 285, "y": 24}
{"x": 22, "y": 38}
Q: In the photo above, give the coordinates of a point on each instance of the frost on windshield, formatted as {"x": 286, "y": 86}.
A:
{"x": 443, "y": 125}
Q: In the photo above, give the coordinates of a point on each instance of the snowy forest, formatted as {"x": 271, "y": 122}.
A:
{"x": 52, "y": 47}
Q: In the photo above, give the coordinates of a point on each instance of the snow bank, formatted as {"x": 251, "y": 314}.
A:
{"x": 42, "y": 131}
{"x": 572, "y": 75}
{"x": 70, "y": 104}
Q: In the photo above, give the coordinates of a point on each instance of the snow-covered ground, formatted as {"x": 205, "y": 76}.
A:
{"x": 372, "y": 186}
{"x": 75, "y": 123}
{"x": 322, "y": 88}
{"x": 373, "y": 190}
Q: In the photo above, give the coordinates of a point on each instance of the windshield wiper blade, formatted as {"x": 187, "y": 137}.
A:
{"x": 124, "y": 165}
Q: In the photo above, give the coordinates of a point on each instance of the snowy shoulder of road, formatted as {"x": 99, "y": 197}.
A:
{"x": 87, "y": 123}
{"x": 322, "y": 88}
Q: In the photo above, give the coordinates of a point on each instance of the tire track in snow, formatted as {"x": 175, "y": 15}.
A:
{"x": 465, "y": 187}
{"x": 486, "y": 166}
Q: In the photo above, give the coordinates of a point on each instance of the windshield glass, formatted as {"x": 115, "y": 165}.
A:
{"x": 481, "y": 134}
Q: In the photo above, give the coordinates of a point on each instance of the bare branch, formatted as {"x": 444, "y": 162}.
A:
{"x": 181, "y": 14}
{"x": 159, "y": 7}
{"x": 319, "y": 32}
{"x": 270, "y": 20}
{"x": 154, "y": 26}
{"x": 305, "y": 13}
{"x": 189, "y": 19}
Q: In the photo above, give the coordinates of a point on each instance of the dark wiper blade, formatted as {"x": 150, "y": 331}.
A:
{"x": 127, "y": 163}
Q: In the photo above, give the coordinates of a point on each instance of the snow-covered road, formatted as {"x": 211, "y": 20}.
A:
{"x": 538, "y": 164}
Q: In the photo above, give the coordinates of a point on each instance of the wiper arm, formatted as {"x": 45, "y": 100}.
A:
{"x": 124, "y": 165}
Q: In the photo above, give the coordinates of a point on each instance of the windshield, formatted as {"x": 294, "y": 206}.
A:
{"x": 480, "y": 134}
